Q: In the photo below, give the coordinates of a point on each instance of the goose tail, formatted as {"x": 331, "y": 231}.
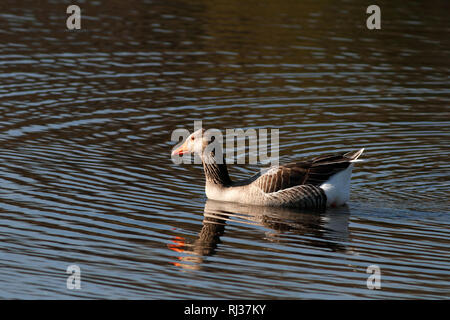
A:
{"x": 354, "y": 155}
{"x": 337, "y": 187}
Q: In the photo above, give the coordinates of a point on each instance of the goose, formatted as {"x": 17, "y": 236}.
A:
{"x": 317, "y": 183}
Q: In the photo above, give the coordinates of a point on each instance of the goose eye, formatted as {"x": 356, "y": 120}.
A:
{"x": 192, "y": 138}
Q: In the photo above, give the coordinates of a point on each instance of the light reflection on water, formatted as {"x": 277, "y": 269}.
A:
{"x": 85, "y": 170}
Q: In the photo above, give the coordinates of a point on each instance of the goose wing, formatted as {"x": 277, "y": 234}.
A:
{"x": 315, "y": 172}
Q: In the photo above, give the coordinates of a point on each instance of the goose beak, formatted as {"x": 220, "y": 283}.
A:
{"x": 181, "y": 150}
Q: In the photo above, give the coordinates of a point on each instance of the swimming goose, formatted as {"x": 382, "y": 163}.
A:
{"x": 317, "y": 183}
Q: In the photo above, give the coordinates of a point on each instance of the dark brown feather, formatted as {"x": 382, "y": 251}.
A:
{"x": 302, "y": 197}
{"x": 314, "y": 172}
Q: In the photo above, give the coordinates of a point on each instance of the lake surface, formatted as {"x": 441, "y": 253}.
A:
{"x": 86, "y": 177}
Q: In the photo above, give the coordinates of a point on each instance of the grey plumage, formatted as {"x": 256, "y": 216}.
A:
{"x": 291, "y": 185}
{"x": 305, "y": 196}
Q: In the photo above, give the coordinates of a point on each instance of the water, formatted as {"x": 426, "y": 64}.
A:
{"x": 86, "y": 177}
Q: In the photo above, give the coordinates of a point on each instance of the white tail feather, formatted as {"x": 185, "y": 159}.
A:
{"x": 337, "y": 187}
{"x": 357, "y": 155}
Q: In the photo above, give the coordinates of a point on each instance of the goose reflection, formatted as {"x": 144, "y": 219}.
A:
{"x": 319, "y": 229}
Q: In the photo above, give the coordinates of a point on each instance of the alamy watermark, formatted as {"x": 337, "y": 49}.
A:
{"x": 374, "y": 280}
{"x": 74, "y": 280}
{"x": 374, "y": 20}
{"x": 74, "y": 20}
{"x": 234, "y": 142}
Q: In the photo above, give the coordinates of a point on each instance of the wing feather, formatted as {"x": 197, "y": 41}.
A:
{"x": 314, "y": 172}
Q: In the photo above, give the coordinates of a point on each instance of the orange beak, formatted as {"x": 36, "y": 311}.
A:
{"x": 181, "y": 150}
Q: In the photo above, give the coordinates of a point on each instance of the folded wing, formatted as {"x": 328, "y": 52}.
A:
{"x": 315, "y": 172}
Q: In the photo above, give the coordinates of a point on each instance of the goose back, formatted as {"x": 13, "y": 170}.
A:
{"x": 313, "y": 172}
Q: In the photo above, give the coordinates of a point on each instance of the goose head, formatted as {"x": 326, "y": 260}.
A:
{"x": 195, "y": 143}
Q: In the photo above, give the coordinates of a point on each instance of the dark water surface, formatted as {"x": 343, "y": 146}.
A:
{"x": 86, "y": 176}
